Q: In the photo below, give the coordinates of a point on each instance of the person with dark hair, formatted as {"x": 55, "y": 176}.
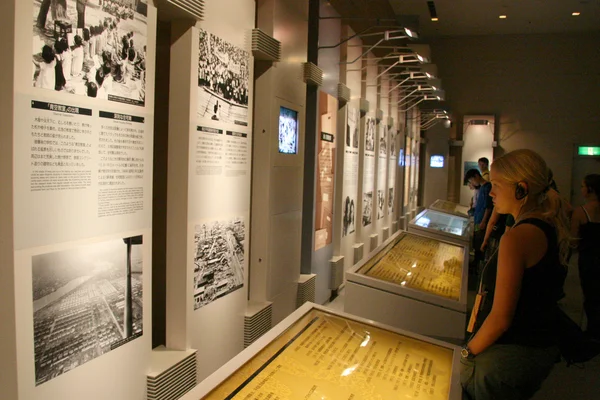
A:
{"x": 47, "y": 76}
{"x": 59, "y": 48}
{"x": 484, "y": 168}
{"x": 77, "y": 64}
{"x": 481, "y": 213}
{"x": 585, "y": 227}
{"x": 92, "y": 89}
{"x": 516, "y": 327}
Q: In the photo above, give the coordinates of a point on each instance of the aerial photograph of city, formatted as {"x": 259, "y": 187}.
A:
{"x": 87, "y": 301}
{"x": 219, "y": 260}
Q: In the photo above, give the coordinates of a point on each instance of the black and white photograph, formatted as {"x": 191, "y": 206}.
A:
{"x": 223, "y": 73}
{"x": 288, "y": 131}
{"x": 94, "y": 48}
{"x": 87, "y": 301}
{"x": 383, "y": 142}
{"x": 390, "y": 200}
{"x": 380, "y": 203}
{"x": 352, "y": 128}
{"x": 218, "y": 260}
{"x": 348, "y": 218}
{"x": 370, "y": 135}
{"x": 367, "y": 208}
{"x": 392, "y": 143}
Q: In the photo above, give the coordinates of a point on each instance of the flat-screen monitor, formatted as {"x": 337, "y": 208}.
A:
{"x": 436, "y": 161}
{"x": 288, "y": 131}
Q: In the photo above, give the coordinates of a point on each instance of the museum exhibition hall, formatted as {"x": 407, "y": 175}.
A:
{"x": 272, "y": 199}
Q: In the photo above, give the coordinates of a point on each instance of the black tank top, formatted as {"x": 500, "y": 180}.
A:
{"x": 589, "y": 234}
{"x": 534, "y": 323}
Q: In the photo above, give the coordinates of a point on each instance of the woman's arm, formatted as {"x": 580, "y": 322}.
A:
{"x": 511, "y": 266}
{"x": 490, "y": 227}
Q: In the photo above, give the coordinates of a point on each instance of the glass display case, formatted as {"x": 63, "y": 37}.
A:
{"x": 413, "y": 282}
{"x": 450, "y": 207}
{"x": 316, "y": 353}
{"x": 443, "y": 226}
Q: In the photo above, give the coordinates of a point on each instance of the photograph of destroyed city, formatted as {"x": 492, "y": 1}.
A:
{"x": 219, "y": 260}
{"x": 87, "y": 301}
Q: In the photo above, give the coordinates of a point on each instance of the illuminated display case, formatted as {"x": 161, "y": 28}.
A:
{"x": 413, "y": 282}
{"x": 316, "y": 353}
{"x": 449, "y": 207}
{"x": 443, "y": 226}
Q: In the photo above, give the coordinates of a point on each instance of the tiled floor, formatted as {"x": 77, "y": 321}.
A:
{"x": 576, "y": 382}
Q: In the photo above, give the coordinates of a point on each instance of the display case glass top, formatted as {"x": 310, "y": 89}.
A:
{"x": 326, "y": 356}
{"x": 442, "y": 222}
{"x": 421, "y": 263}
{"x": 450, "y": 207}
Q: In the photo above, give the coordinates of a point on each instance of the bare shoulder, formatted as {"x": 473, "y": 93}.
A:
{"x": 526, "y": 240}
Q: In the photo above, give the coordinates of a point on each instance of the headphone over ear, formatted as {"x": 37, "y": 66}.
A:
{"x": 521, "y": 191}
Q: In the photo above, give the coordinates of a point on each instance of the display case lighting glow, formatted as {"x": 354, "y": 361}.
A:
{"x": 576, "y": 14}
{"x": 502, "y": 16}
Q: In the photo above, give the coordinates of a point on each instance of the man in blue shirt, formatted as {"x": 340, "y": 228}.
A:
{"x": 483, "y": 210}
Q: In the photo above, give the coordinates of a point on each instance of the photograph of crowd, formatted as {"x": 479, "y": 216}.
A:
{"x": 367, "y": 208}
{"x": 218, "y": 260}
{"x": 87, "y": 301}
{"x": 390, "y": 200}
{"x": 352, "y": 128}
{"x": 94, "y": 48}
{"x": 288, "y": 131}
{"x": 223, "y": 76}
{"x": 370, "y": 135}
{"x": 392, "y": 143}
{"x": 383, "y": 142}
{"x": 380, "y": 203}
{"x": 348, "y": 218}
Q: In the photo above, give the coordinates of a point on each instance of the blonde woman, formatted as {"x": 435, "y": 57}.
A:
{"x": 514, "y": 345}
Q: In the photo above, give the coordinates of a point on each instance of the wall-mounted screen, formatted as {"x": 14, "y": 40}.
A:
{"x": 288, "y": 131}
{"x": 436, "y": 161}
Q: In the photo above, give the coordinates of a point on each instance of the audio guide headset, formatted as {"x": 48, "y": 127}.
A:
{"x": 521, "y": 191}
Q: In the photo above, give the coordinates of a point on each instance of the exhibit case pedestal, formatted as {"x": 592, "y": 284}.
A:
{"x": 413, "y": 282}
{"x": 439, "y": 225}
{"x": 318, "y": 353}
{"x": 449, "y": 207}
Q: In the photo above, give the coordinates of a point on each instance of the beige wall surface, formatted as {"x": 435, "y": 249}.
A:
{"x": 542, "y": 89}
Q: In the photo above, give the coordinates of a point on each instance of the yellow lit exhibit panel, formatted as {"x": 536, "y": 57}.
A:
{"x": 420, "y": 263}
{"x": 325, "y": 356}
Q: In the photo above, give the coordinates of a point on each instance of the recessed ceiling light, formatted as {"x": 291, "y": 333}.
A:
{"x": 435, "y": 19}
{"x": 576, "y": 14}
{"x": 502, "y": 16}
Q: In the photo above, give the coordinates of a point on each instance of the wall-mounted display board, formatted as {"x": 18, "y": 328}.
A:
{"x": 382, "y": 166}
{"x": 412, "y": 282}
{"x": 393, "y": 156}
{"x": 408, "y": 167}
{"x": 318, "y": 353}
{"x": 350, "y": 185}
{"x": 83, "y": 137}
{"x": 328, "y": 106}
{"x": 450, "y": 207}
{"x": 369, "y": 172}
{"x": 439, "y": 225}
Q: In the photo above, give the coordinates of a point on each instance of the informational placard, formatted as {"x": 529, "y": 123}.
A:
{"x": 87, "y": 301}
{"x": 218, "y": 259}
{"x": 407, "y": 172}
{"x": 369, "y": 171}
{"x": 443, "y": 222}
{"x": 219, "y": 169}
{"x": 382, "y": 166}
{"x": 82, "y": 164}
{"x": 326, "y": 356}
{"x": 95, "y": 50}
{"x": 325, "y": 170}
{"x": 420, "y": 263}
{"x": 392, "y": 161}
{"x": 223, "y": 73}
{"x": 350, "y": 188}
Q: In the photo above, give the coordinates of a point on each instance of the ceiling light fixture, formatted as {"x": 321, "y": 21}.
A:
{"x": 576, "y": 14}
{"x": 502, "y": 16}
{"x": 435, "y": 19}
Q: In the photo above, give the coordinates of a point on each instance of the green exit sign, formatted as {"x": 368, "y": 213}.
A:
{"x": 588, "y": 151}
